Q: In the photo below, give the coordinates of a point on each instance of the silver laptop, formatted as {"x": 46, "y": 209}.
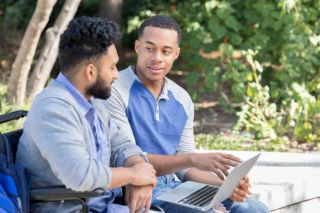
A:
{"x": 202, "y": 196}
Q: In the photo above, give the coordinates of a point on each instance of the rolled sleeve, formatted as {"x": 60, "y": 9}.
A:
{"x": 122, "y": 147}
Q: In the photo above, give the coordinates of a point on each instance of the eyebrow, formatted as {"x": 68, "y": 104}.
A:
{"x": 151, "y": 43}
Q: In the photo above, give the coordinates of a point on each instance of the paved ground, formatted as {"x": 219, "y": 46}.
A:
{"x": 286, "y": 182}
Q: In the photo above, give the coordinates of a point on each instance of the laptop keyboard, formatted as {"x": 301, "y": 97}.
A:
{"x": 201, "y": 197}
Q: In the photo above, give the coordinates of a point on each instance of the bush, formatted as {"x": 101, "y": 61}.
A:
{"x": 277, "y": 91}
{"x": 6, "y": 108}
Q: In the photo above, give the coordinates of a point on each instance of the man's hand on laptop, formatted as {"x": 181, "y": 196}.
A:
{"x": 138, "y": 198}
{"x": 242, "y": 192}
{"x": 219, "y": 163}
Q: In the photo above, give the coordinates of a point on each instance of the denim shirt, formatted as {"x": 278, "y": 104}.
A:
{"x": 98, "y": 137}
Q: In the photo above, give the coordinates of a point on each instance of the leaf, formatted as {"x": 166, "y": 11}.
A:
{"x": 249, "y": 77}
{"x": 211, "y": 81}
{"x": 232, "y": 23}
{"x": 220, "y": 31}
{"x": 210, "y": 47}
{"x": 235, "y": 39}
{"x": 210, "y": 5}
{"x": 192, "y": 78}
{"x": 213, "y": 23}
{"x": 258, "y": 66}
{"x": 238, "y": 90}
{"x": 222, "y": 13}
{"x": 194, "y": 43}
{"x": 249, "y": 92}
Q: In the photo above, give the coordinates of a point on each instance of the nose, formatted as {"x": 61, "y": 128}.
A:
{"x": 116, "y": 73}
{"x": 156, "y": 56}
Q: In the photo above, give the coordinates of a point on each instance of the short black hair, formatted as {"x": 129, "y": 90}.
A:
{"x": 160, "y": 21}
{"x": 86, "y": 39}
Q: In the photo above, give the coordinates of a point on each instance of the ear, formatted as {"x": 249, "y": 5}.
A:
{"x": 137, "y": 46}
{"x": 90, "y": 72}
{"x": 177, "y": 53}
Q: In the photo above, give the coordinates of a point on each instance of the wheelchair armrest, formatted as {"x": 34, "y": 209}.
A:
{"x": 13, "y": 116}
{"x": 56, "y": 193}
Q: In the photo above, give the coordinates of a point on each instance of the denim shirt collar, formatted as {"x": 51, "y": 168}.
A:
{"x": 85, "y": 105}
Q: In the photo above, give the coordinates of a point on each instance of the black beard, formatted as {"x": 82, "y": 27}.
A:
{"x": 99, "y": 89}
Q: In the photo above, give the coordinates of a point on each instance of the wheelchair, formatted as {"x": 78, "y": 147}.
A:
{"x": 8, "y": 147}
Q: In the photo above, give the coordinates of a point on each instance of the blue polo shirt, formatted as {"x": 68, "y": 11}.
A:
{"x": 158, "y": 126}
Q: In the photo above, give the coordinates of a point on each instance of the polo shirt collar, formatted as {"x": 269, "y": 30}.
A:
{"x": 165, "y": 89}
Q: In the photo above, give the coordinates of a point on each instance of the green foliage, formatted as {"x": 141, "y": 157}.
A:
{"x": 263, "y": 56}
{"x": 214, "y": 142}
{"x": 5, "y": 107}
{"x": 245, "y": 142}
{"x": 240, "y": 142}
{"x": 257, "y": 114}
{"x": 17, "y": 13}
{"x": 237, "y": 25}
{"x": 296, "y": 118}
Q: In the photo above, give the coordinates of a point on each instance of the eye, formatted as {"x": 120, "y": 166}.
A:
{"x": 149, "y": 49}
{"x": 167, "y": 52}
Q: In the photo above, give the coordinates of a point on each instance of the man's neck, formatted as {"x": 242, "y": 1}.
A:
{"x": 155, "y": 87}
{"x": 78, "y": 84}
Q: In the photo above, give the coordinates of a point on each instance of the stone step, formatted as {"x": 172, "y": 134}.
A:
{"x": 285, "y": 182}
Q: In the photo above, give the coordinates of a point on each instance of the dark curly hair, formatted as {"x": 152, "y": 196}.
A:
{"x": 160, "y": 21}
{"x": 86, "y": 39}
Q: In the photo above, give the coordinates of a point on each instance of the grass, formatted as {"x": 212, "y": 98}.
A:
{"x": 245, "y": 143}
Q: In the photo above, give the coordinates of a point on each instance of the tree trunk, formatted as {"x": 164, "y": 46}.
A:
{"x": 49, "y": 53}
{"x": 111, "y": 9}
{"x": 21, "y": 66}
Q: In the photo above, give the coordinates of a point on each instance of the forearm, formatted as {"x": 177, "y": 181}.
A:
{"x": 197, "y": 175}
{"x": 133, "y": 160}
{"x": 136, "y": 172}
{"x": 166, "y": 164}
{"x": 125, "y": 175}
{"x": 121, "y": 176}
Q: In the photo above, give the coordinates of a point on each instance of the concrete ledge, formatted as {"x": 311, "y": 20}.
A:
{"x": 307, "y": 206}
{"x": 286, "y": 182}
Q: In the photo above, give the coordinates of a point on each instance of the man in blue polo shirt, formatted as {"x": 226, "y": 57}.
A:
{"x": 160, "y": 114}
